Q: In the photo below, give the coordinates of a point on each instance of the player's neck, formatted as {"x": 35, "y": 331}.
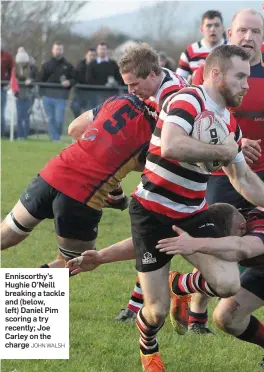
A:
{"x": 256, "y": 60}
{"x": 215, "y": 96}
{"x": 159, "y": 82}
{"x": 209, "y": 45}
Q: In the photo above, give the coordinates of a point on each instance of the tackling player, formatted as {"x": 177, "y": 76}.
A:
{"x": 234, "y": 314}
{"x": 72, "y": 187}
{"x": 146, "y": 80}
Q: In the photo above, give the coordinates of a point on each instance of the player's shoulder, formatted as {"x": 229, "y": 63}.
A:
{"x": 194, "y": 47}
{"x": 124, "y": 99}
{"x": 191, "y": 92}
{"x": 257, "y": 71}
{"x": 173, "y": 79}
{"x": 192, "y": 95}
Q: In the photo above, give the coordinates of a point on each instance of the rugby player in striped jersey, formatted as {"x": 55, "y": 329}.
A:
{"x": 173, "y": 189}
{"x": 194, "y": 55}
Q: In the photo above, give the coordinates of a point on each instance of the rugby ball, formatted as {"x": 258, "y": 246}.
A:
{"x": 210, "y": 128}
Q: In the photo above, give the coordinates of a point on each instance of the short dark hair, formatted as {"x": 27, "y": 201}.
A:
{"x": 102, "y": 43}
{"x": 91, "y": 50}
{"x": 222, "y": 215}
{"x": 221, "y": 56}
{"x": 57, "y": 43}
{"x": 211, "y": 14}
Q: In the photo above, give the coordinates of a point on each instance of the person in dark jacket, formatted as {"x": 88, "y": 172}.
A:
{"x": 7, "y": 63}
{"x": 26, "y": 72}
{"x": 103, "y": 69}
{"x": 57, "y": 70}
{"x": 83, "y": 100}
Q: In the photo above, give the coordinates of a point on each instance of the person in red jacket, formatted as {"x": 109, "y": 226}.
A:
{"x": 7, "y": 63}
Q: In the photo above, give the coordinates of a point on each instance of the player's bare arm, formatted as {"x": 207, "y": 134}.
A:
{"x": 177, "y": 144}
{"x": 78, "y": 125}
{"x": 246, "y": 182}
{"x": 230, "y": 248}
{"x": 90, "y": 260}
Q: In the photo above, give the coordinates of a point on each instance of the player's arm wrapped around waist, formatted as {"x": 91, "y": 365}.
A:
{"x": 246, "y": 182}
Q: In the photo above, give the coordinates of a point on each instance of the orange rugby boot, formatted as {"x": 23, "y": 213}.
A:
{"x": 152, "y": 362}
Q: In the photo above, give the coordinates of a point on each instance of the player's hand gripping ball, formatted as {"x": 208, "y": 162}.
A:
{"x": 210, "y": 128}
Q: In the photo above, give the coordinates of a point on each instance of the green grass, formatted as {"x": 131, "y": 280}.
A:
{"x": 97, "y": 343}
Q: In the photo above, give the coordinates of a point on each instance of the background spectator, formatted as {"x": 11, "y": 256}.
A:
{"x": 196, "y": 53}
{"x": 7, "y": 63}
{"x": 103, "y": 67}
{"x": 57, "y": 70}
{"x": 25, "y": 72}
{"x": 166, "y": 61}
{"x": 82, "y": 100}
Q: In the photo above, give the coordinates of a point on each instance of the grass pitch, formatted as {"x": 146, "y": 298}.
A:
{"x": 97, "y": 343}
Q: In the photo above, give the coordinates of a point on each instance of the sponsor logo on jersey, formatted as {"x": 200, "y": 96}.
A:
{"x": 90, "y": 134}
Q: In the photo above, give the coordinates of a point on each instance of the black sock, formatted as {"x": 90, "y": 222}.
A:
{"x": 254, "y": 333}
{"x": 45, "y": 266}
{"x": 200, "y": 318}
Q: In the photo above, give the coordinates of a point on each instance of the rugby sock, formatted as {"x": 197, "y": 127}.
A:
{"x": 46, "y": 266}
{"x": 115, "y": 196}
{"x": 136, "y": 300}
{"x": 191, "y": 283}
{"x": 200, "y": 318}
{"x": 148, "y": 341}
{"x": 254, "y": 332}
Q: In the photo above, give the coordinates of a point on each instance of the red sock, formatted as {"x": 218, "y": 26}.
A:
{"x": 200, "y": 318}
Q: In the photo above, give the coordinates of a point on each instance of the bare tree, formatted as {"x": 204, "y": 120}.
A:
{"x": 34, "y": 24}
{"x": 159, "y": 22}
{"x": 160, "y": 25}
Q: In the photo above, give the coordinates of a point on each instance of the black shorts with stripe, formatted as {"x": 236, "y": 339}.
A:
{"x": 252, "y": 280}
{"x": 149, "y": 227}
{"x": 72, "y": 219}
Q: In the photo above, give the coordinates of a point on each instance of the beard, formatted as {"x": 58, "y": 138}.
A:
{"x": 232, "y": 100}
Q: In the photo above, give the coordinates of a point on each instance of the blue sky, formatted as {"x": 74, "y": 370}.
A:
{"x": 99, "y": 8}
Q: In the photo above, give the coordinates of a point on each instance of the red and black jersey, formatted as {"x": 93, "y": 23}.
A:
{"x": 177, "y": 189}
{"x": 250, "y": 115}
{"x": 255, "y": 223}
{"x": 255, "y": 227}
{"x": 110, "y": 147}
{"x": 171, "y": 83}
{"x": 194, "y": 57}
